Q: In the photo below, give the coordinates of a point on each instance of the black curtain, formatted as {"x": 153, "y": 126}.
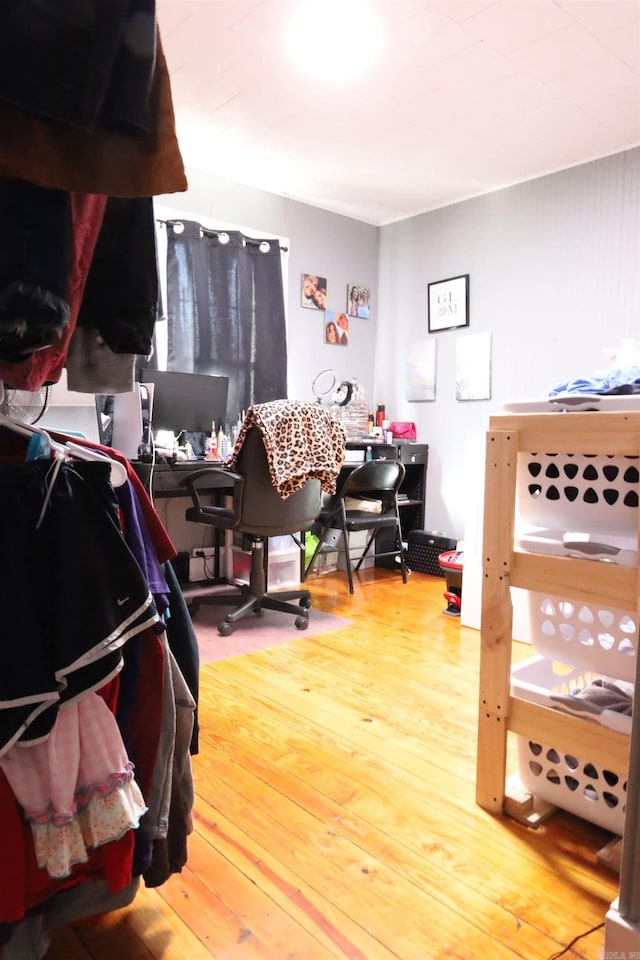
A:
{"x": 225, "y": 311}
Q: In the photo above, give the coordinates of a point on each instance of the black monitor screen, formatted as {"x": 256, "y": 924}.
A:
{"x": 188, "y": 402}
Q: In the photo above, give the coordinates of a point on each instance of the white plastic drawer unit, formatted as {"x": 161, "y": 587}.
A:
{"x": 283, "y": 569}
{"x": 578, "y": 505}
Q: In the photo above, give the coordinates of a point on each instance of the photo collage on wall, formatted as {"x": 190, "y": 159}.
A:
{"x": 314, "y": 296}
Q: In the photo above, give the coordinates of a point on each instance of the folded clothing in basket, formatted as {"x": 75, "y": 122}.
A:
{"x": 602, "y": 694}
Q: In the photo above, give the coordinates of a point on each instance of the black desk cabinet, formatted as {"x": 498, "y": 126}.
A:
{"x": 411, "y": 500}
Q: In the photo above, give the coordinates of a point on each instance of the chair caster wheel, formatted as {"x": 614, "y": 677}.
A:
{"x": 302, "y": 623}
{"x": 306, "y": 603}
{"x": 225, "y": 629}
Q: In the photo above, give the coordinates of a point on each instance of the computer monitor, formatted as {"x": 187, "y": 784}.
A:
{"x": 186, "y": 402}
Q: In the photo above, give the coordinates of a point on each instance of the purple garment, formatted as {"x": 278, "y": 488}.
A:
{"x": 138, "y": 539}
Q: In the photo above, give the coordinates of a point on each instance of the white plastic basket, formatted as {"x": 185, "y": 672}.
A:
{"x": 597, "y": 638}
{"x": 581, "y": 787}
{"x": 578, "y": 505}
{"x": 576, "y": 784}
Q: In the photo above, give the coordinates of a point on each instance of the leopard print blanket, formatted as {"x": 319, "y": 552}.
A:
{"x": 303, "y": 441}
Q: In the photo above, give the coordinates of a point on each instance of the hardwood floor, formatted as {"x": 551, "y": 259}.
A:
{"x": 335, "y": 814}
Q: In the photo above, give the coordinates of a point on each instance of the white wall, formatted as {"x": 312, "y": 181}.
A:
{"x": 554, "y": 278}
{"x": 553, "y": 267}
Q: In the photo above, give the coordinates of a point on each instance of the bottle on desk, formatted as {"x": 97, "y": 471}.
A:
{"x": 211, "y": 445}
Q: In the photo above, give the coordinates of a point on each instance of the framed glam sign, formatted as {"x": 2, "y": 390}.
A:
{"x": 449, "y": 303}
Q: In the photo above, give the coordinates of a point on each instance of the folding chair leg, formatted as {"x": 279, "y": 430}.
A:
{"x": 366, "y": 550}
{"x": 403, "y": 565}
{"x": 347, "y": 556}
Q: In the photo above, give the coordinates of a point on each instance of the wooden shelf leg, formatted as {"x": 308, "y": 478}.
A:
{"x": 493, "y": 706}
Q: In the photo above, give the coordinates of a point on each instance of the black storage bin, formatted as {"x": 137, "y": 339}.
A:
{"x": 423, "y": 549}
{"x": 180, "y": 564}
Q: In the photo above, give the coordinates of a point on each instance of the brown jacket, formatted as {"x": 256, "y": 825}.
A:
{"x": 103, "y": 162}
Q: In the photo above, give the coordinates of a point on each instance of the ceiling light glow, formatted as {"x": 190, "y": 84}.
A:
{"x": 335, "y": 41}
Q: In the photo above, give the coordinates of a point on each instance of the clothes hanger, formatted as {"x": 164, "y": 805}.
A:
{"x": 118, "y": 470}
{"x": 64, "y": 450}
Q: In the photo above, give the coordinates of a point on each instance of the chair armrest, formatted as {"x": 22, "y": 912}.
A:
{"x": 218, "y": 516}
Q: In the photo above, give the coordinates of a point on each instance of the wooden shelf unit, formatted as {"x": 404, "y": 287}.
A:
{"x": 599, "y": 433}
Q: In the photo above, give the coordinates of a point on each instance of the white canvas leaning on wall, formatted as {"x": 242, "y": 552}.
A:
{"x": 421, "y": 371}
{"x": 473, "y": 367}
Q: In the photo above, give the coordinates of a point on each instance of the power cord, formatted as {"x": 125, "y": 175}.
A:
{"x": 208, "y": 568}
{"x": 147, "y": 454}
{"x": 153, "y": 465}
{"x": 561, "y": 953}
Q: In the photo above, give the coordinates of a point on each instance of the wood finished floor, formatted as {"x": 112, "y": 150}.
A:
{"x": 335, "y": 814}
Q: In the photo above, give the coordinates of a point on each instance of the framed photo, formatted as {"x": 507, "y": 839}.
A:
{"x": 336, "y": 328}
{"x": 313, "y": 291}
{"x": 449, "y": 303}
{"x": 358, "y": 301}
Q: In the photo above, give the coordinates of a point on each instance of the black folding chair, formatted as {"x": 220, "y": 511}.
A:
{"x": 373, "y": 481}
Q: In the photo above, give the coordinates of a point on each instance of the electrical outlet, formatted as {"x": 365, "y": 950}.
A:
{"x": 201, "y": 563}
{"x": 203, "y": 553}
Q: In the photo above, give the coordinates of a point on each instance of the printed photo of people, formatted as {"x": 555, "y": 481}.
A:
{"x": 357, "y": 301}
{"x": 336, "y": 328}
{"x": 314, "y": 291}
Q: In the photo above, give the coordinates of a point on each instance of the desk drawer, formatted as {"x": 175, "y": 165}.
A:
{"x": 384, "y": 451}
{"x": 166, "y": 477}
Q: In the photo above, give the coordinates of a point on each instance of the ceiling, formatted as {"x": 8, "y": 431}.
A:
{"x": 468, "y": 96}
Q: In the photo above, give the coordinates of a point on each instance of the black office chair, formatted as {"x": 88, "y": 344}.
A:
{"x": 258, "y": 512}
{"x": 376, "y": 480}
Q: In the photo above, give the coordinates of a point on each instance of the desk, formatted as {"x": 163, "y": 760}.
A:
{"x": 163, "y": 478}
{"x": 166, "y": 476}
{"x": 163, "y": 482}
{"x": 167, "y": 493}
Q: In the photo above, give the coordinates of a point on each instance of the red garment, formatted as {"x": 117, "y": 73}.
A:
{"x": 23, "y": 884}
{"x": 111, "y": 862}
{"x": 45, "y": 366}
{"x": 141, "y": 719}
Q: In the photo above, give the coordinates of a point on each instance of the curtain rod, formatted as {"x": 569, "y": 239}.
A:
{"x": 207, "y": 231}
